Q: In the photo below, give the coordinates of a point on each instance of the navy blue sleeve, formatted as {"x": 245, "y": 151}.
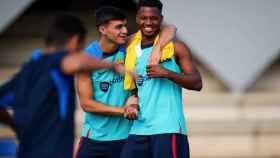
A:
{"x": 56, "y": 59}
{"x": 61, "y": 81}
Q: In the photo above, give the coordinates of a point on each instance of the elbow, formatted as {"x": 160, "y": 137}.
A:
{"x": 66, "y": 67}
{"x": 172, "y": 27}
{"x": 86, "y": 106}
{"x": 173, "y": 30}
{"x": 198, "y": 86}
{"x": 70, "y": 66}
{"x": 194, "y": 86}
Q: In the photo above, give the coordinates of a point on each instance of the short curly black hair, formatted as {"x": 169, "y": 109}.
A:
{"x": 150, "y": 3}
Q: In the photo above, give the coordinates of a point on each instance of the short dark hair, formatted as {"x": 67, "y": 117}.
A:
{"x": 62, "y": 28}
{"x": 150, "y": 3}
{"x": 105, "y": 14}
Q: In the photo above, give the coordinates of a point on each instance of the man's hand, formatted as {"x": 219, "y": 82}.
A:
{"x": 131, "y": 111}
{"x": 155, "y": 56}
{"x": 131, "y": 108}
{"x": 156, "y": 71}
{"x": 132, "y": 100}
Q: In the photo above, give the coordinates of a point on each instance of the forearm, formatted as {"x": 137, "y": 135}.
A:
{"x": 188, "y": 81}
{"x": 102, "y": 109}
{"x": 82, "y": 62}
{"x": 167, "y": 34}
{"x": 93, "y": 64}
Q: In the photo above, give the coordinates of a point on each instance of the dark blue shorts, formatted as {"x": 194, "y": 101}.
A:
{"x": 156, "y": 146}
{"x": 89, "y": 148}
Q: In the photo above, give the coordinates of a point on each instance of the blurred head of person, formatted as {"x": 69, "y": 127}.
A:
{"x": 66, "y": 31}
{"x": 111, "y": 24}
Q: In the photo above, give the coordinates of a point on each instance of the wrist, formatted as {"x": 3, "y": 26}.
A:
{"x": 158, "y": 45}
{"x": 120, "y": 110}
{"x": 166, "y": 73}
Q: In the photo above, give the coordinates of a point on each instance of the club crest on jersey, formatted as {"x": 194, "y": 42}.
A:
{"x": 141, "y": 79}
{"x": 104, "y": 86}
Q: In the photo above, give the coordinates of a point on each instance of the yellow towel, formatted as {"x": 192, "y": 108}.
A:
{"x": 131, "y": 55}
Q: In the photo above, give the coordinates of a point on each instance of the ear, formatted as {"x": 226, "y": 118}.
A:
{"x": 102, "y": 29}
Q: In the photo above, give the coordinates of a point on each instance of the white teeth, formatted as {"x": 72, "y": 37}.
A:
{"x": 148, "y": 29}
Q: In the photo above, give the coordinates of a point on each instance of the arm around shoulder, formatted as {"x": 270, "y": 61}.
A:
{"x": 78, "y": 62}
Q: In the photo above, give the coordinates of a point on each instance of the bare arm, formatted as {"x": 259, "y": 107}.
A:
{"x": 85, "y": 92}
{"x": 189, "y": 78}
{"x": 167, "y": 33}
{"x": 82, "y": 62}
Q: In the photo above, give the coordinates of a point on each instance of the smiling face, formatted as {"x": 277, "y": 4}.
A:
{"x": 115, "y": 31}
{"x": 149, "y": 21}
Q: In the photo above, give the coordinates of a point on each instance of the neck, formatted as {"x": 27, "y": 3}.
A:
{"x": 107, "y": 46}
{"x": 148, "y": 39}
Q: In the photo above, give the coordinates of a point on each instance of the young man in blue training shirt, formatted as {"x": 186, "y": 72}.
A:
{"x": 160, "y": 130}
{"x": 42, "y": 94}
{"x": 101, "y": 92}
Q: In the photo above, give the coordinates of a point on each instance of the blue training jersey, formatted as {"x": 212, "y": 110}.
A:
{"x": 160, "y": 100}
{"x": 43, "y": 101}
{"x": 107, "y": 89}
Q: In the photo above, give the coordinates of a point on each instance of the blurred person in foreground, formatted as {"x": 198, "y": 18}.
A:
{"x": 42, "y": 95}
